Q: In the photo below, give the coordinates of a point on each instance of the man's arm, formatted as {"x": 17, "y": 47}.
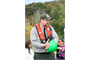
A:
{"x": 54, "y": 35}
{"x": 33, "y": 37}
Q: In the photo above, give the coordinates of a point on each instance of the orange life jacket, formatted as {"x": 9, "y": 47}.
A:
{"x": 41, "y": 35}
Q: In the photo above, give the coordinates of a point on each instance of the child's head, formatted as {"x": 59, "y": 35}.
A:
{"x": 28, "y": 44}
{"x": 61, "y": 41}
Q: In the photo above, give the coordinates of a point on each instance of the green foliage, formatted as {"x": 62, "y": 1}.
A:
{"x": 55, "y": 0}
{"x": 28, "y": 28}
{"x": 28, "y": 11}
{"x": 50, "y": 6}
{"x": 58, "y": 22}
{"x": 37, "y": 16}
{"x": 38, "y": 5}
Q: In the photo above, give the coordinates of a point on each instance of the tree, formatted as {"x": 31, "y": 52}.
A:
{"x": 37, "y": 15}
{"x": 28, "y": 28}
{"x": 28, "y": 11}
{"x": 58, "y": 22}
{"x": 55, "y": 0}
{"x": 38, "y": 6}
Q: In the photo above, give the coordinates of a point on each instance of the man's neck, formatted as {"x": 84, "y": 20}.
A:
{"x": 42, "y": 25}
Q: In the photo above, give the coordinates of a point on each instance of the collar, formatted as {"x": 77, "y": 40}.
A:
{"x": 42, "y": 27}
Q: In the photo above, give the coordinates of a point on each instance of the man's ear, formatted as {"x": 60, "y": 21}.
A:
{"x": 42, "y": 20}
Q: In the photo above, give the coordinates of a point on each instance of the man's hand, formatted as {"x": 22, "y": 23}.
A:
{"x": 46, "y": 44}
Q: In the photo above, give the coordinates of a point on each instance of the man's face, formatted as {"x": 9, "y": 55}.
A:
{"x": 45, "y": 22}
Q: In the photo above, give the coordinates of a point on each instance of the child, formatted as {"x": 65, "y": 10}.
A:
{"x": 28, "y": 51}
{"x": 60, "y": 55}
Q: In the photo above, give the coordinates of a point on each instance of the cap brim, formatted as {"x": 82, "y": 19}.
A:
{"x": 48, "y": 18}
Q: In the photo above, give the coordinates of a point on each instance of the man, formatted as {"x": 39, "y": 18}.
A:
{"x": 40, "y": 36}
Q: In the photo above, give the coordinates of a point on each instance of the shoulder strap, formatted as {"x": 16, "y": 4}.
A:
{"x": 40, "y": 33}
{"x": 50, "y": 28}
